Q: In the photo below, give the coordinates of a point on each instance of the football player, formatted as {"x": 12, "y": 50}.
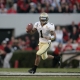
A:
{"x": 46, "y": 34}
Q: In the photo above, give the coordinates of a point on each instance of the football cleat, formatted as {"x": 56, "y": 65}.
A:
{"x": 32, "y": 71}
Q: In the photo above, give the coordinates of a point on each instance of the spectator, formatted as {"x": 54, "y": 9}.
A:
{"x": 38, "y": 8}
{"x": 47, "y": 7}
{"x": 28, "y": 48}
{"x": 70, "y": 27}
{"x": 16, "y": 46}
{"x": 63, "y": 8}
{"x": 23, "y": 7}
{"x": 57, "y": 53}
{"x": 3, "y": 10}
{"x": 59, "y": 10}
{"x": 35, "y": 1}
{"x": 73, "y": 2}
{"x": 9, "y": 4}
{"x": 32, "y": 8}
{"x": 8, "y": 52}
{"x": 2, "y": 2}
{"x": 2, "y": 53}
{"x": 79, "y": 28}
{"x": 11, "y": 10}
{"x": 54, "y": 4}
{"x": 52, "y": 10}
{"x": 78, "y": 47}
{"x": 22, "y": 44}
{"x": 74, "y": 34}
{"x": 33, "y": 43}
{"x": 68, "y": 46}
{"x": 11, "y": 42}
{"x": 70, "y": 7}
{"x": 65, "y": 35}
{"x": 78, "y": 40}
{"x": 27, "y": 40}
{"x": 74, "y": 9}
{"x": 43, "y": 9}
{"x": 15, "y": 1}
{"x": 67, "y": 10}
{"x": 78, "y": 7}
{"x": 59, "y": 34}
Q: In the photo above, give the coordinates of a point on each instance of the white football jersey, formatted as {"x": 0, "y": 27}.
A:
{"x": 44, "y": 31}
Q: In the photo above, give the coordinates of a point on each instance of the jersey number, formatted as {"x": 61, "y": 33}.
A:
{"x": 41, "y": 34}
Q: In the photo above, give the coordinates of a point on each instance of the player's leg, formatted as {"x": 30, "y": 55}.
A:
{"x": 43, "y": 47}
{"x": 46, "y": 56}
{"x": 37, "y": 61}
{"x": 50, "y": 57}
{"x": 43, "y": 52}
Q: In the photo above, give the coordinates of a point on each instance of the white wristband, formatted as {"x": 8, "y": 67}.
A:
{"x": 52, "y": 37}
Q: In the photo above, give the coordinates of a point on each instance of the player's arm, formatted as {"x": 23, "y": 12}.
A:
{"x": 33, "y": 30}
{"x": 52, "y": 32}
{"x": 53, "y": 35}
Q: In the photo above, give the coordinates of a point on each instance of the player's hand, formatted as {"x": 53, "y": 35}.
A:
{"x": 48, "y": 38}
{"x": 26, "y": 30}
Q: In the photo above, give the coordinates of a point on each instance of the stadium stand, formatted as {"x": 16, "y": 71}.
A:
{"x": 38, "y": 6}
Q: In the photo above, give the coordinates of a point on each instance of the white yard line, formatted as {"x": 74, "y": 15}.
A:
{"x": 37, "y": 74}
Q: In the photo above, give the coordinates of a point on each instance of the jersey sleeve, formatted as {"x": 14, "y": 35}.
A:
{"x": 35, "y": 25}
{"x": 52, "y": 27}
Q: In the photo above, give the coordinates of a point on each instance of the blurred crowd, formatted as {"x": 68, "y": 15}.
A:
{"x": 38, "y": 6}
{"x": 67, "y": 40}
{"x": 68, "y": 36}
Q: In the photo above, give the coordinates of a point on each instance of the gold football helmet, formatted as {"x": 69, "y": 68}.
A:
{"x": 43, "y": 18}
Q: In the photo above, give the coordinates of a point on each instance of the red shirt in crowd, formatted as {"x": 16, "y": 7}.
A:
{"x": 68, "y": 47}
{"x": 35, "y": 1}
{"x": 57, "y": 51}
{"x": 2, "y": 2}
{"x": 78, "y": 1}
{"x": 78, "y": 48}
{"x": 20, "y": 2}
{"x": 78, "y": 40}
{"x": 11, "y": 10}
{"x": 73, "y": 1}
{"x": 79, "y": 27}
{"x": 1, "y": 47}
{"x": 23, "y": 6}
{"x": 65, "y": 36}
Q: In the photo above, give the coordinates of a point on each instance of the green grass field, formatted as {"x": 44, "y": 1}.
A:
{"x": 40, "y": 78}
{"x": 42, "y": 69}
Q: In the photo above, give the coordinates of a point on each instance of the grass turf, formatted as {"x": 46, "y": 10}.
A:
{"x": 40, "y": 78}
{"x": 41, "y": 69}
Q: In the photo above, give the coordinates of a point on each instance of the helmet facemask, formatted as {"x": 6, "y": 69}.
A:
{"x": 43, "y": 20}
